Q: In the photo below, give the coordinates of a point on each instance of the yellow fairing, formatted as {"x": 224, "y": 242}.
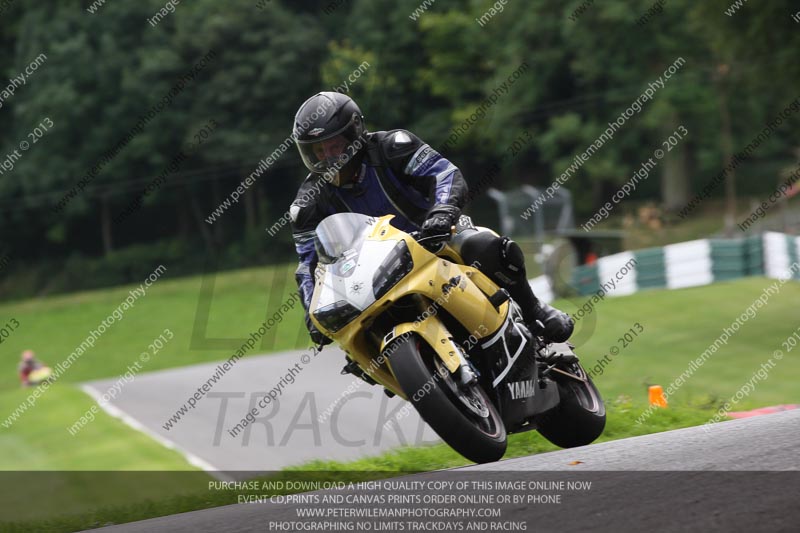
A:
{"x": 461, "y": 290}
{"x": 435, "y": 334}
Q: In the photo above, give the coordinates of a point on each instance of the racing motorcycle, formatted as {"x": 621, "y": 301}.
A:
{"x": 445, "y": 337}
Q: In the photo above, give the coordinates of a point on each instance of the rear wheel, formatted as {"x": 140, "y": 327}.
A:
{"x": 581, "y": 414}
{"x": 463, "y": 416}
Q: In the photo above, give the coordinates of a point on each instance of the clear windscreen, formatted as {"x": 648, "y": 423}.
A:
{"x": 339, "y": 233}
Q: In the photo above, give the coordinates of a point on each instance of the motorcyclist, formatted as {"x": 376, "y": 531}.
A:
{"x": 394, "y": 172}
{"x": 27, "y": 365}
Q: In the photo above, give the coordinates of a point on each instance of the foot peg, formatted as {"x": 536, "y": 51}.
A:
{"x": 553, "y": 358}
{"x": 352, "y": 368}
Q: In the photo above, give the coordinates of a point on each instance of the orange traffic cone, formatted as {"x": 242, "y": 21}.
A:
{"x": 656, "y": 396}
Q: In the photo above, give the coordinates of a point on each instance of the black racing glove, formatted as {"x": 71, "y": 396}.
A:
{"x": 440, "y": 219}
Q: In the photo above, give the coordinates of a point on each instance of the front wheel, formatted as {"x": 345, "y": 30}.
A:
{"x": 580, "y": 416}
{"x": 463, "y": 416}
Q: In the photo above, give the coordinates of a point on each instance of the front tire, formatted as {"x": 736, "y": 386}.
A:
{"x": 464, "y": 418}
{"x": 580, "y": 416}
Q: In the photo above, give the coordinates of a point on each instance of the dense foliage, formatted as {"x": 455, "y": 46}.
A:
{"x": 238, "y": 70}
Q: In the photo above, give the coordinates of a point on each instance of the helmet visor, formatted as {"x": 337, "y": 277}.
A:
{"x": 332, "y": 151}
{"x": 327, "y": 154}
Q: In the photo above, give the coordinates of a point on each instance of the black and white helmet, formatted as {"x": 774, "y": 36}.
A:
{"x": 329, "y": 132}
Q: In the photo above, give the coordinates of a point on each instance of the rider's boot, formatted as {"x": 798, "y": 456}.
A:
{"x": 558, "y": 325}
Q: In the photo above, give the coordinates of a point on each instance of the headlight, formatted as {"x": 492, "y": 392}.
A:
{"x": 337, "y": 315}
{"x": 396, "y": 265}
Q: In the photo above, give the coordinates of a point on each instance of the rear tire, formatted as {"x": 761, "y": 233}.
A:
{"x": 444, "y": 406}
{"x": 580, "y": 416}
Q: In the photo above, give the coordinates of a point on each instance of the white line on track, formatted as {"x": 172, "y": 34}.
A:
{"x": 138, "y": 426}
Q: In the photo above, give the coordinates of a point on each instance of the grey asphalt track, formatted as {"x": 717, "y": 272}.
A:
{"x": 742, "y": 475}
{"x": 287, "y": 431}
{"x": 768, "y": 442}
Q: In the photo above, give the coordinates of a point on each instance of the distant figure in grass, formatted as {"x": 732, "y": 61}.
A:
{"x": 31, "y": 371}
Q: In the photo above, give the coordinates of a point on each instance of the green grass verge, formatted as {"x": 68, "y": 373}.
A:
{"x": 679, "y": 325}
{"x": 39, "y": 440}
{"x": 55, "y": 326}
{"x": 241, "y": 300}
